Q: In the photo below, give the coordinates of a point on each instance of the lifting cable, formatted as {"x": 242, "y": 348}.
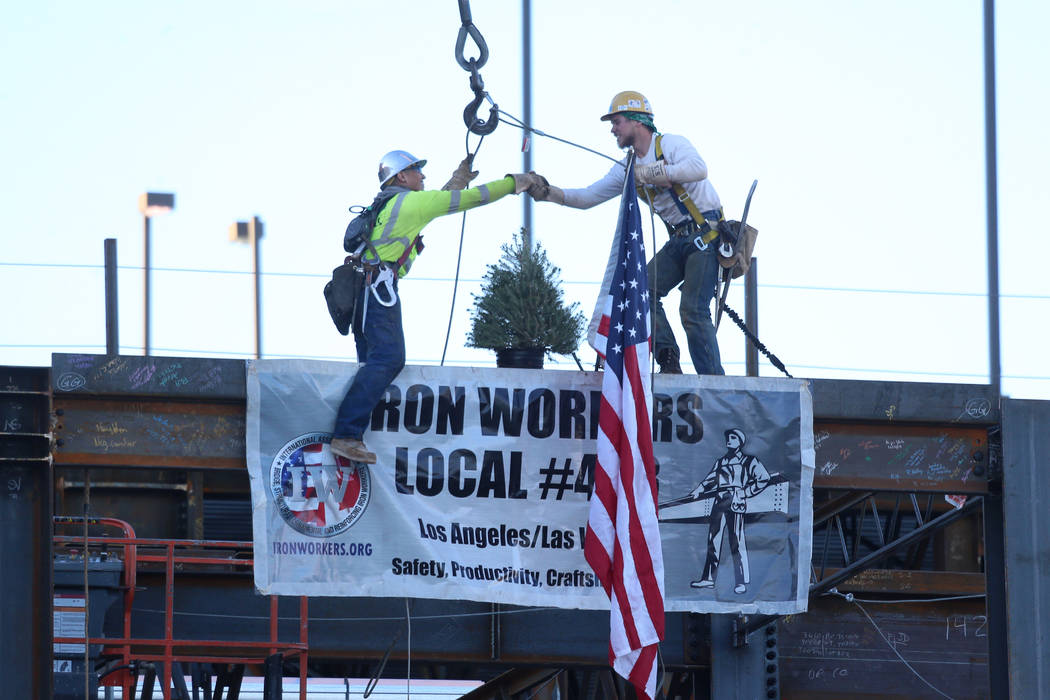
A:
{"x": 483, "y": 127}
{"x": 474, "y": 125}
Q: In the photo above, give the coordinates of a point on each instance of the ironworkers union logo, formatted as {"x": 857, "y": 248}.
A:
{"x": 318, "y": 493}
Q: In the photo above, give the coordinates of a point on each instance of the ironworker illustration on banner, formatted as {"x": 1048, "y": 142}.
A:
{"x": 482, "y": 487}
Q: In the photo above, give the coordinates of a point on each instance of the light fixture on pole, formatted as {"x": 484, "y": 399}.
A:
{"x": 250, "y": 232}
{"x": 150, "y": 204}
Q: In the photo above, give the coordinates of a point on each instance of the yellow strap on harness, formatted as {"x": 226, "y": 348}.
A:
{"x": 686, "y": 201}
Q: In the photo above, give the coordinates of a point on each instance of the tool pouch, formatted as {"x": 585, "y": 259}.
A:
{"x": 742, "y": 244}
{"x": 343, "y": 291}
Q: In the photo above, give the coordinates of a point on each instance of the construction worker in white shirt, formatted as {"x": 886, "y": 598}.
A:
{"x": 388, "y": 253}
{"x": 672, "y": 178}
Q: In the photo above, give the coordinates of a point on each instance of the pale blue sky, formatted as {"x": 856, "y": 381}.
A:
{"x": 863, "y": 122}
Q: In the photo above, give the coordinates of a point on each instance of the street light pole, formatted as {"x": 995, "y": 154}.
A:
{"x": 251, "y": 232}
{"x": 255, "y": 232}
{"x": 150, "y": 204}
{"x": 112, "y": 336}
{"x": 145, "y": 283}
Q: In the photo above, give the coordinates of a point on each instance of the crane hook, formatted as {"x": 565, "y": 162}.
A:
{"x": 481, "y": 127}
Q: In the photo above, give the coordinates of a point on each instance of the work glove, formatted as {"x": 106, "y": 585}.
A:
{"x": 523, "y": 181}
{"x": 545, "y": 192}
{"x": 652, "y": 174}
{"x": 538, "y": 189}
{"x": 461, "y": 176}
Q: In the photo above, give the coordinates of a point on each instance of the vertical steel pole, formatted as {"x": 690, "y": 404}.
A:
{"x": 145, "y": 285}
{"x": 526, "y": 101}
{"x": 254, "y": 232}
{"x": 751, "y": 317}
{"x": 991, "y": 189}
{"x": 112, "y": 334}
{"x": 26, "y": 531}
{"x": 996, "y": 601}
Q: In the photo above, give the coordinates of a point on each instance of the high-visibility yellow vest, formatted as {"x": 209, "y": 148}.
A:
{"x": 399, "y": 226}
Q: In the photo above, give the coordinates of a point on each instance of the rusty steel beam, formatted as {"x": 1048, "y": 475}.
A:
{"x": 834, "y": 651}
{"x": 149, "y": 433}
{"x": 192, "y": 378}
{"x": 896, "y": 402}
{"x": 898, "y": 457}
{"x": 907, "y": 582}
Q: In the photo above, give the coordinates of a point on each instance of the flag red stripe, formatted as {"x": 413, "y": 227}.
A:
{"x": 597, "y": 558}
{"x": 654, "y": 600}
{"x": 622, "y": 542}
{"x": 643, "y": 667}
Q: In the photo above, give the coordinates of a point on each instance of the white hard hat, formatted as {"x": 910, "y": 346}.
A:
{"x": 396, "y": 161}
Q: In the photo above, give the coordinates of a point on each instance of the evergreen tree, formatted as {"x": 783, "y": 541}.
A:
{"x": 521, "y": 304}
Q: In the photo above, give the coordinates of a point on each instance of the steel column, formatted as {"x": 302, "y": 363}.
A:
{"x": 747, "y": 670}
{"x": 1019, "y": 585}
{"x": 25, "y": 532}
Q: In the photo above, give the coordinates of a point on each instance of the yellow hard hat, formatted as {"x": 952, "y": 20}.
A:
{"x": 628, "y": 101}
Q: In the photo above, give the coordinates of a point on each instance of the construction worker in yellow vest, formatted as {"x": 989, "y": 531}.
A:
{"x": 672, "y": 179}
{"x": 388, "y": 253}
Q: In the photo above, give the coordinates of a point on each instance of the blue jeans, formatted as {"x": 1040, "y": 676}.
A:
{"x": 381, "y": 349}
{"x": 679, "y": 262}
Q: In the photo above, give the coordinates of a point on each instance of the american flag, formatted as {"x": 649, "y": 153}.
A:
{"x": 623, "y": 536}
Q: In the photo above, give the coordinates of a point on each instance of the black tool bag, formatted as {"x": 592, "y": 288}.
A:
{"x": 343, "y": 291}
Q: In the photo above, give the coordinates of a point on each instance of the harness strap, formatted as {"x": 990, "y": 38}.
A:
{"x": 686, "y": 205}
{"x": 416, "y": 244}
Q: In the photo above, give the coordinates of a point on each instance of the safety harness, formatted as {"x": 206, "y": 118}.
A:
{"x": 377, "y": 275}
{"x": 708, "y": 228}
{"x": 382, "y": 274}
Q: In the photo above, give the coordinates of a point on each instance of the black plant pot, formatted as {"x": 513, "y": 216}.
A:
{"x": 522, "y": 358}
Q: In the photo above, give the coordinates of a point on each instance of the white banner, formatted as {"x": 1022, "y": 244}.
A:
{"x": 482, "y": 485}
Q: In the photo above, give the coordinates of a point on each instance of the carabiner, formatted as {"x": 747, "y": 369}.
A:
{"x": 384, "y": 280}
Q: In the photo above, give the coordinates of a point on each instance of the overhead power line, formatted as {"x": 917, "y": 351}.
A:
{"x": 316, "y": 275}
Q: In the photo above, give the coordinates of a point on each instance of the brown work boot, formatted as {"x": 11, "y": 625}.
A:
{"x": 668, "y": 361}
{"x": 352, "y": 449}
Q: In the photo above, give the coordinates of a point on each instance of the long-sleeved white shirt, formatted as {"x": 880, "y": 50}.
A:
{"x": 683, "y": 165}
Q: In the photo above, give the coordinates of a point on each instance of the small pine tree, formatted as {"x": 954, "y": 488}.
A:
{"x": 521, "y": 304}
